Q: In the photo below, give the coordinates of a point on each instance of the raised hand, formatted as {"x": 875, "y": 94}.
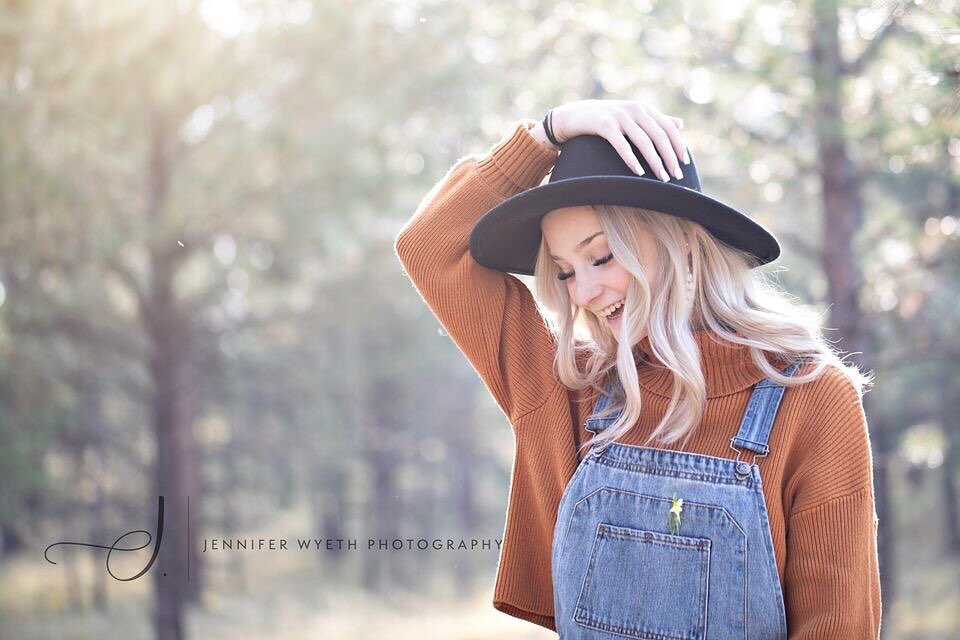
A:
{"x": 619, "y": 120}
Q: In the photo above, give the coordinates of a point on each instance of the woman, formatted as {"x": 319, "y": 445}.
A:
{"x": 726, "y": 488}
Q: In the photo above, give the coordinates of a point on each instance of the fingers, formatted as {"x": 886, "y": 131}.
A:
{"x": 613, "y": 134}
{"x": 672, "y": 129}
{"x": 644, "y": 145}
{"x": 653, "y": 142}
{"x": 655, "y": 135}
{"x": 665, "y": 136}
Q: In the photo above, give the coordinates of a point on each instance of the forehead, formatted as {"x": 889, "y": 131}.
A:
{"x": 563, "y": 228}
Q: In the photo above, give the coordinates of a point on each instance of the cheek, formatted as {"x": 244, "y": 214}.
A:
{"x": 620, "y": 278}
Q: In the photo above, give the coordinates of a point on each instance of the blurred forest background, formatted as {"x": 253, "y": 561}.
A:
{"x": 199, "y": 296}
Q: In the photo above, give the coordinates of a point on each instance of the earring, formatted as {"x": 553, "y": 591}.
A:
{"x": 689, "y": 284}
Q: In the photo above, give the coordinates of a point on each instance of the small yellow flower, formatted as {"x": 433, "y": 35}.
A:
{"x": 674, "y": 515}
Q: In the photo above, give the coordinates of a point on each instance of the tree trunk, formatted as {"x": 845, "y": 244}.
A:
{"x": 174, "y": 403}
{"x": 950, "y": 404}
{"x": 842, "y": 206}
{"x": 948, "y": 416}
{"x": 329, "y": 491}
{"x": 842, "y": 219}
{"x": 172, "y": 423}
{"x": 382, "y": 458}
{"x": 463, "y": 457}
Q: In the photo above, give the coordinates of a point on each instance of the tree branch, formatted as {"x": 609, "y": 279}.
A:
{"x": 891, "y": 26}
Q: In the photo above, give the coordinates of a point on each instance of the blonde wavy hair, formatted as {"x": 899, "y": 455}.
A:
{"x": 730, "y": 298}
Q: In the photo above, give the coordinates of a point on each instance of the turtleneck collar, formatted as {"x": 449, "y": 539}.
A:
{"x": 727, "y": 367}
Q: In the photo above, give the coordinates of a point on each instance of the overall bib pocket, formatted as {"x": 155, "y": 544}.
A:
{"x": 661, "y": 586}
{"x": 636, "y": 579}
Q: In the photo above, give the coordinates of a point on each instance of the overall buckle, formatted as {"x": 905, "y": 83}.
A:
{"x": 742, "y": 468}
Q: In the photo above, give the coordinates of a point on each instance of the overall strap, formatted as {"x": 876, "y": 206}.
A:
{"x": 754, "y": 428}
{"x": 598, "y": 424}
{"x": 757, "y": 421}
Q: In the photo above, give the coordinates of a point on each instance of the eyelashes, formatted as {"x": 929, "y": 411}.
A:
{"x": 597, "y": 263}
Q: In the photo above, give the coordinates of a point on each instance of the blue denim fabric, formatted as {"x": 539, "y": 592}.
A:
{"x": 619, "y": 572}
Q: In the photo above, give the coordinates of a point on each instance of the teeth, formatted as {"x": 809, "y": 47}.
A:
{"x": 606, "y": 312}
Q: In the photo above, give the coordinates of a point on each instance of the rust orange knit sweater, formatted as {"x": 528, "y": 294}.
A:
{"x": 817, "y": 478}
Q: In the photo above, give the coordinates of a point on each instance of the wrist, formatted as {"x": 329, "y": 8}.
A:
{"x": 549, "y": 130}
{"x": 517, "y": 162}
{"x": 538, "y": 132}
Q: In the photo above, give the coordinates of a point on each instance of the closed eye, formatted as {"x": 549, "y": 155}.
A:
{"x": 597, "y": 263}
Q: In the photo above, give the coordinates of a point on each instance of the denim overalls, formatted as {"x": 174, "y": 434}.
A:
{"x": 619, "y": 572}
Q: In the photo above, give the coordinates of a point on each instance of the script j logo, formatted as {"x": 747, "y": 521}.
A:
{"x": 113, "y": 547}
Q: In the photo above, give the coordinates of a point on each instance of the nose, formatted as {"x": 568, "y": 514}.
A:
{"x": 586, "y": 289}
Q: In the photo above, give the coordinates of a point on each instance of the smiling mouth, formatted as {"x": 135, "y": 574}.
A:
{"x": 612, "y": 310}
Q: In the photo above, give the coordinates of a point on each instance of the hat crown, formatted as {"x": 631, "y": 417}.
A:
{"x": 592, "y": 156}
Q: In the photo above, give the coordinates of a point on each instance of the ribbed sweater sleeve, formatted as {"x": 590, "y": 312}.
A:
{"x": 491, "y": 316}
{"x": 832, "y": 579}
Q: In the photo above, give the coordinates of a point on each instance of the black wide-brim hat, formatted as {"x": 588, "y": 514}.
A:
{"x": 590, "y": 171}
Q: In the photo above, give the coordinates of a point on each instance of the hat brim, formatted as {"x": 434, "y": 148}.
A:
{"x": 507, "y": 237}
